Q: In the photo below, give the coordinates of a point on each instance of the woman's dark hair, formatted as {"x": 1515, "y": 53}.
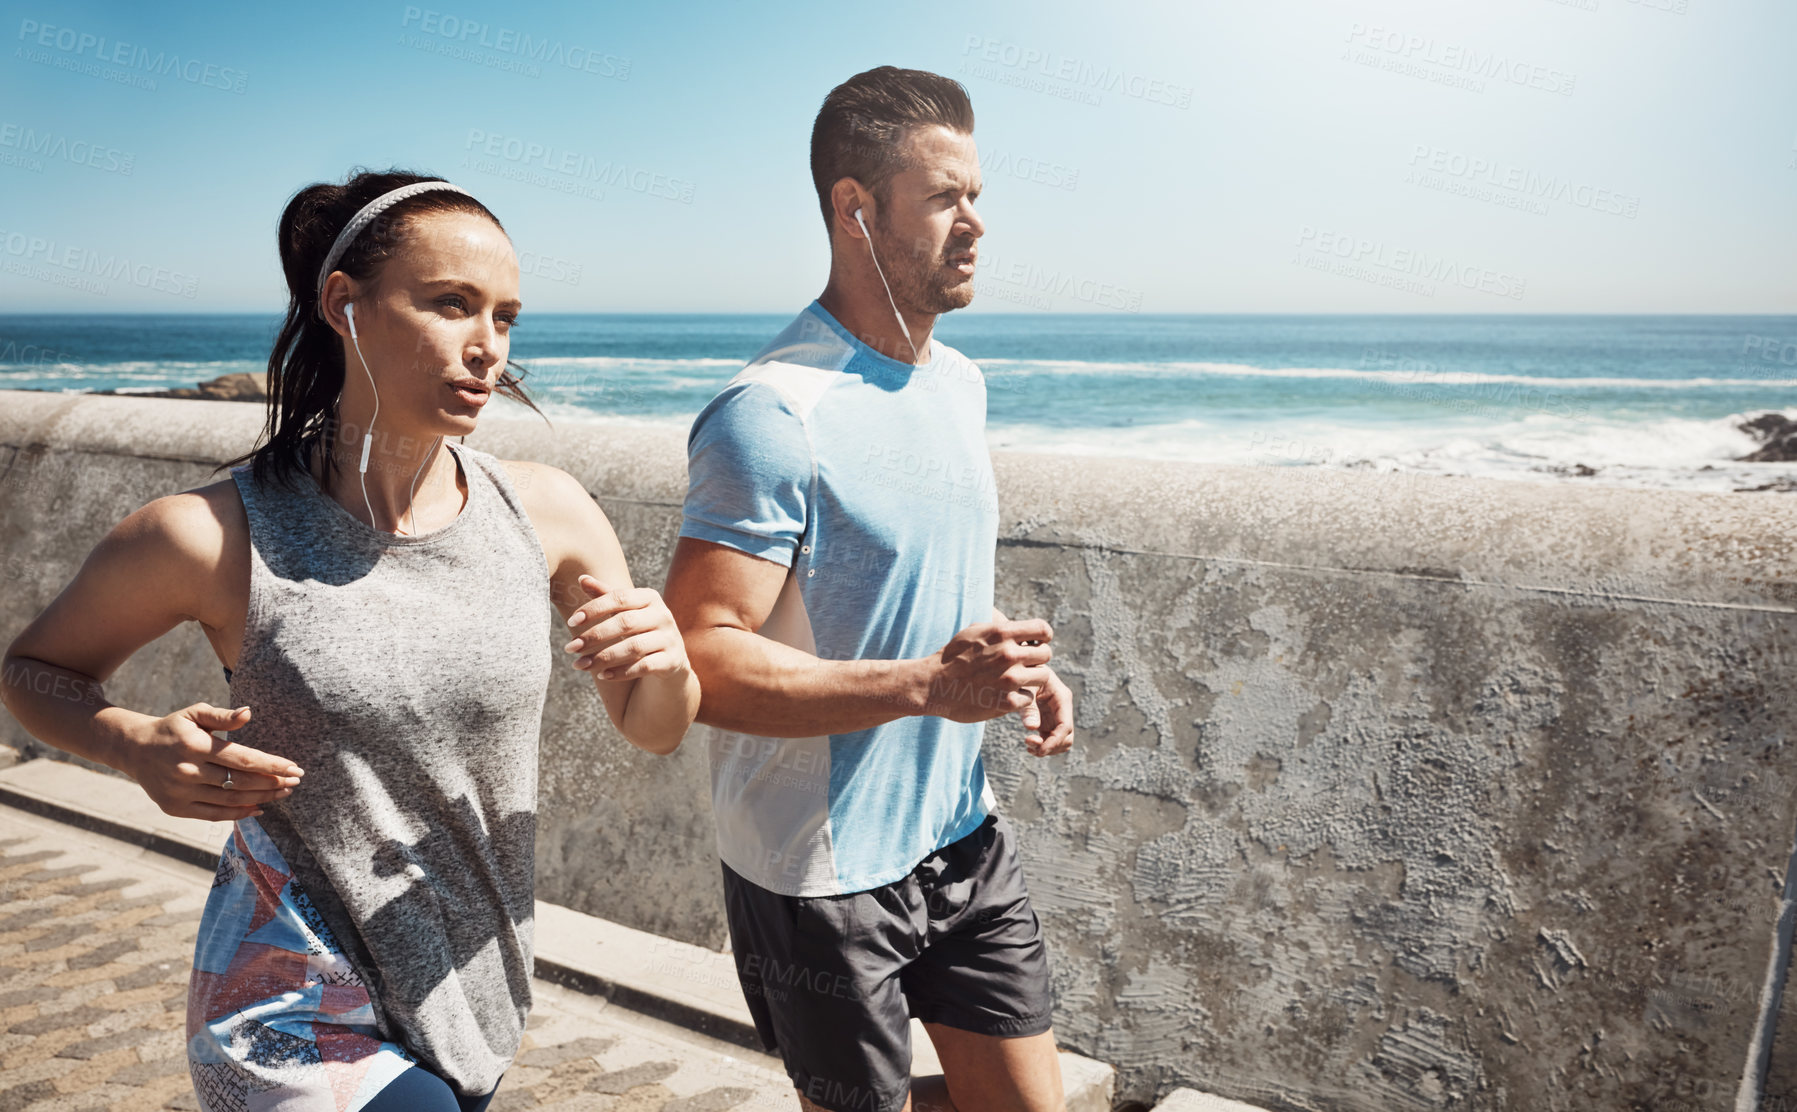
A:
{"x": 305, "y": 369}
{"x": 858, "y": 131}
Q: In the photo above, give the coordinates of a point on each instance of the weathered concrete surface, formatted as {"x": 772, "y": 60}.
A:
{"x": 1191, "y": 1100}
{"x": 1389, "y": 793}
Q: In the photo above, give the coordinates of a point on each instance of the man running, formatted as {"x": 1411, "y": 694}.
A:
{"x": 834, "y": 583}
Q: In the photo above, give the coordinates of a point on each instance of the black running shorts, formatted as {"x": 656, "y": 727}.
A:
{"x": 832, "y": 981}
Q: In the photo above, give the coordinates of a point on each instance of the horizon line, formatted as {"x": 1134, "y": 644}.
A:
{"x": 1093, "y": 314}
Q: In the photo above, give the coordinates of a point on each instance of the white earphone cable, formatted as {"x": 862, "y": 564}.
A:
{"x": 368, "y": 433}
{"x": 915, "y": 358}
{"x": 368, "y": 445}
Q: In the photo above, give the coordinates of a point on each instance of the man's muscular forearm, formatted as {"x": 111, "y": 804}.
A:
{"x": 761, "y": 686}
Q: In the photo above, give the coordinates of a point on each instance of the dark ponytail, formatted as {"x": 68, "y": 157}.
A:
{"x": 305, "y": 369}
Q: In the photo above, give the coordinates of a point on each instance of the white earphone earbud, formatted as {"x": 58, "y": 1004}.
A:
{"x": 900, "y": 317}
{"x": 349, "y": 313}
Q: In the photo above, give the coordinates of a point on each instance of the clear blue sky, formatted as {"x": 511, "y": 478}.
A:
{"x": 1591, "y": 155}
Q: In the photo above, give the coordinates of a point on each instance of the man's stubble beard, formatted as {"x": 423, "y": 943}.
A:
{"x": 917, "y": 288}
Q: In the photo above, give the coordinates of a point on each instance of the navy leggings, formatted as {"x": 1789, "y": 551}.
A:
{"x": 420, "y": 1090}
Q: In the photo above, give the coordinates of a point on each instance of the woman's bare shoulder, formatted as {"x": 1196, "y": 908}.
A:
{"x": 547, "y": 489}
{"x": 179, "y": 557}
{"x": 564, "y": 513}
{"x": 200, "y": 522}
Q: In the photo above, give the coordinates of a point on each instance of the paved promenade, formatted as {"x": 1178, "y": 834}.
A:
{"x": 96, "y": 940}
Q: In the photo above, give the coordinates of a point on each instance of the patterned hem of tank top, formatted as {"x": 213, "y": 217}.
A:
{"x": 276, "y": 1014}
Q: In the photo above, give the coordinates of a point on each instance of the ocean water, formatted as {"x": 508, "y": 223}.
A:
{"x": 1607, "y": 400}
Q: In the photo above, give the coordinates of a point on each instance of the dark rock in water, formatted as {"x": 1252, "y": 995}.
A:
{"x": 1777, "y": 435}
{"x": 240, "y": 387}
{"x": 1781, "y": 486}
{"x": 1570, "y": 470}
{"x": 236, "y": 388}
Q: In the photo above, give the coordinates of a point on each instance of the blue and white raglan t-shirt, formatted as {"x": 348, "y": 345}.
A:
{"x": 870, "y": 480}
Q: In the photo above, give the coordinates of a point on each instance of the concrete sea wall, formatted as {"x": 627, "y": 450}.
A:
{"x": 1388, "y": 793}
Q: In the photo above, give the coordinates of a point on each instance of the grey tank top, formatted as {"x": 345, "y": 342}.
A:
{"x": 406, "y": 675}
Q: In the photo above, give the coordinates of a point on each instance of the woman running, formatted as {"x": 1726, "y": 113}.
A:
{"x": 376, "y": 593}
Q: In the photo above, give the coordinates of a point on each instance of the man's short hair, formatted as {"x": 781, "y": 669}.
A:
{"x": 859, "y": 129}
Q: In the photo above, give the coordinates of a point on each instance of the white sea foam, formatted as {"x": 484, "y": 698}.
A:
{"x": 1493, "y": 440}
{"x": 182, "y": 372}
{"x": 177, "y": 372}
{"x": 624, "y": 361}
{"x": 573, "y": 413}
{"x": 172, "y": 372}
{"x": 1692, "y": 454}
{"x": 1423, "y": 375}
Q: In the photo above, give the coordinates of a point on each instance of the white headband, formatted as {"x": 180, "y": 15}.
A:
{"x": 365, "y": 216}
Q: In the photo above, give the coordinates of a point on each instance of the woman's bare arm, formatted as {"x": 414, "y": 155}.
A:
{"x": 167, "y": 563}
{"x": 652, "y": 694}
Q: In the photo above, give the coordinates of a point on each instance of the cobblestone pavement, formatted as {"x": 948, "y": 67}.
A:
{"x": 96, "y": 939}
